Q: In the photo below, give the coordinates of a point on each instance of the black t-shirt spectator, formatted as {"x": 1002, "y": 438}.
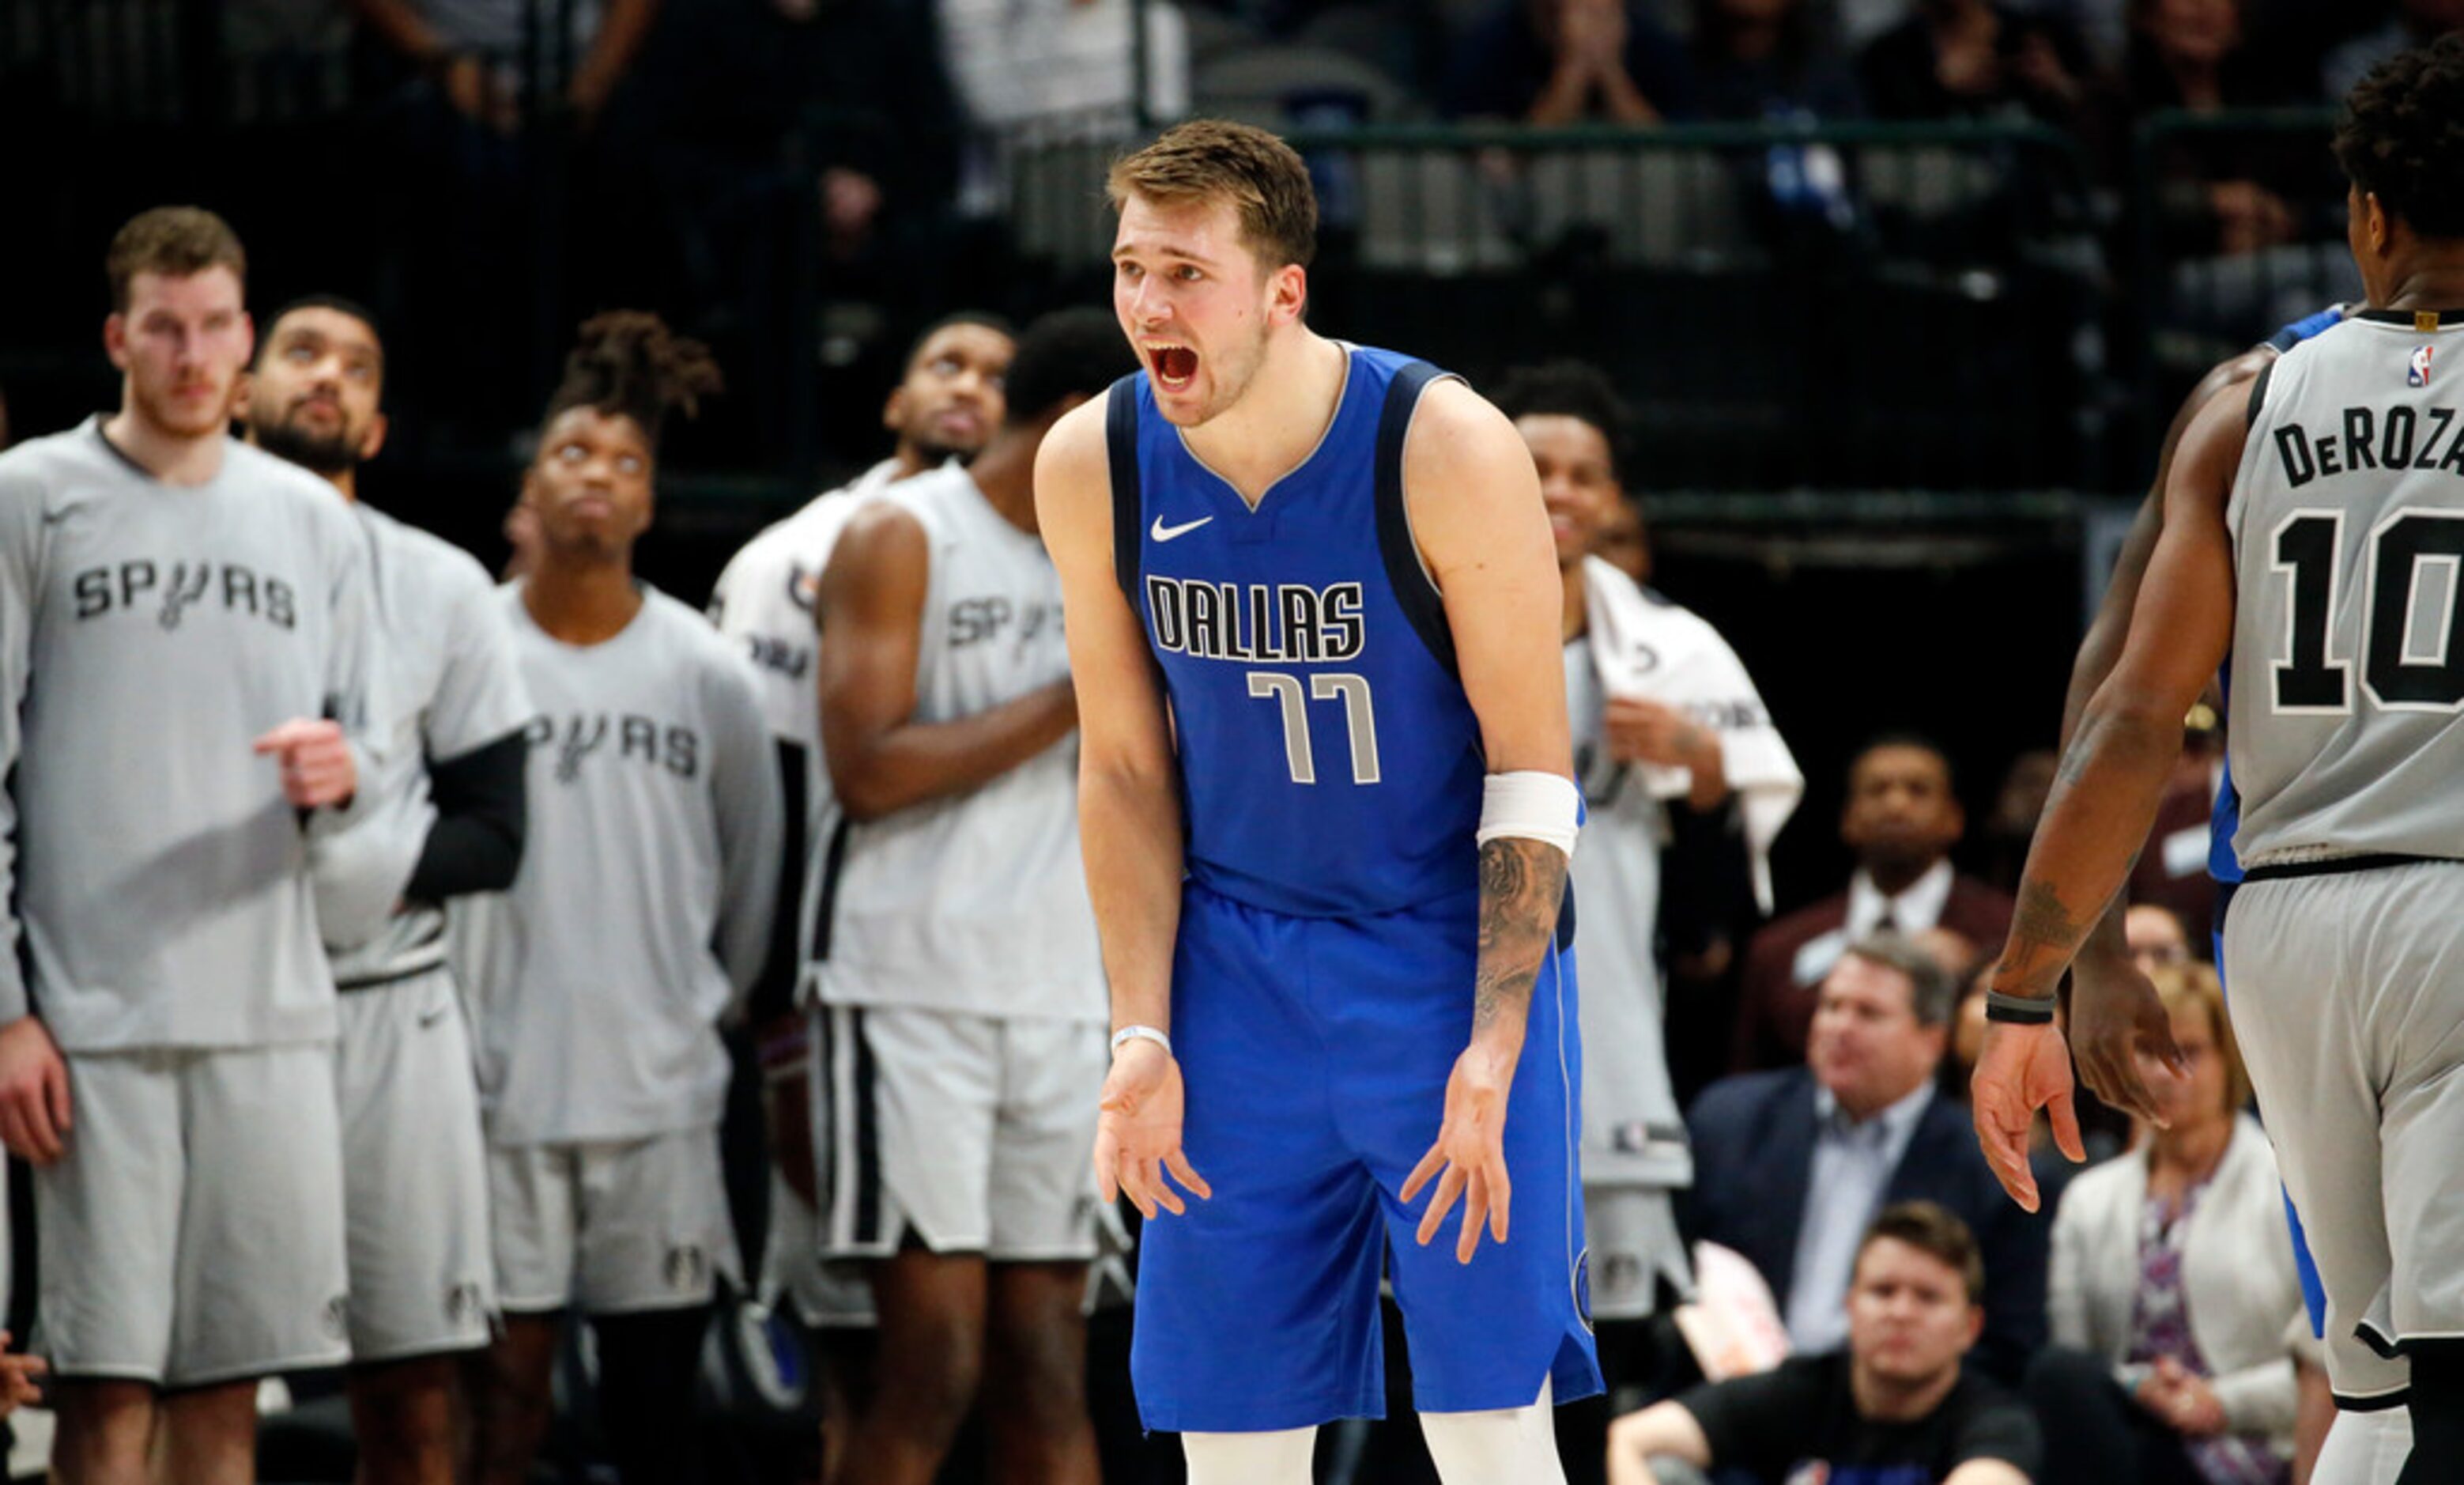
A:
{"x": 1803, "y": 1411}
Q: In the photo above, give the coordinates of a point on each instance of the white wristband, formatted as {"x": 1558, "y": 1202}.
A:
{"x": 1141, "y": 1034}
{"x": 1535, "y": 806}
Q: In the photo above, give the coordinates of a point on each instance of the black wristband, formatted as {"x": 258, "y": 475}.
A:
{"x": 2018, "y": 1010}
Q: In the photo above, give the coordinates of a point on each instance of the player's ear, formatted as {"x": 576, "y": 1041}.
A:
{"x": 114, "y": 340}
{"x": 375, "y": 440}
{"x": 1289, "y": 293}
{"x": 893, "y": 412}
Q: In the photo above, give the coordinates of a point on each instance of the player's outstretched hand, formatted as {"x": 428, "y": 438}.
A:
{"x": 2021, "y": 1070}
{"x": 1468, "y": 1161}
{"x": 2117, "y": 1023}
{"x": 17, "y": 1374}
{"x": 1137, "y": 1132}
{"x": 34, "y": 1092}
{"x": 316, "y": 764}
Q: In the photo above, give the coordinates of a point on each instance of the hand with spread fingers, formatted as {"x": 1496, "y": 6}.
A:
{"x": 2022, "y": 1069}
{"x": 2117, "y": 1026}
{"x": 1468, "y": 1161}
{"x": 1138, "y": 1133}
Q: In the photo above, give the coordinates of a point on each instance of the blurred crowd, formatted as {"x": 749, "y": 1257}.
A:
{"x": 842, "y": 167}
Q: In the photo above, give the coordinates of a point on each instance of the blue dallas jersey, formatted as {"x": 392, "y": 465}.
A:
{"x": 1329, "y": 762}
{"x": 2225, "y": 818}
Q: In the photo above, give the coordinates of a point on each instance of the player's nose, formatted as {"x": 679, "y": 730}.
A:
{"x": 1149, "y": 309}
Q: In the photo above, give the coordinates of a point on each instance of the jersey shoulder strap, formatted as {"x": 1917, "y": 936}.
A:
{"x": 1129, "y": 505}
{"x": 1405, "y": 575}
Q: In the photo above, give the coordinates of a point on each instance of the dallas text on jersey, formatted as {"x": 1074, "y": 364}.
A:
{"x": 1256, "y": 621}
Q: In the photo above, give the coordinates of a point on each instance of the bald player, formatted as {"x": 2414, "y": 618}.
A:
{"x": 444, "y": 818}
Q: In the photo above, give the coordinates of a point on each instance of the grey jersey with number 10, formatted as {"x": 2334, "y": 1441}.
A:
{"x": 2348, "y": 521}
{"x": 451, "y": 687}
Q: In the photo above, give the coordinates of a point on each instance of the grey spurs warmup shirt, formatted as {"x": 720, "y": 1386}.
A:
{"x": 149, "y": 633}
{"x": 973, "y": 903}
{"x": 452, "y": 686}
{"x": 765, "y": 601}
{"x": 641, "y": 911}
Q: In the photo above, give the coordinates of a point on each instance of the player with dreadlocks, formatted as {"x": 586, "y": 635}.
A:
{"x": 641, "y": 913}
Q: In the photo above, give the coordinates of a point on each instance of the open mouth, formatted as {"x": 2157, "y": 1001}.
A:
{"x": 1176, "y": 367}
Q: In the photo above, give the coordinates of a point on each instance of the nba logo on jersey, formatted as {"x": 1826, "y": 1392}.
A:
{"x": 2417, "y": 372}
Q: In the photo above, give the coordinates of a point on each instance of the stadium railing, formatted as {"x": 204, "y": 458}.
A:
{"x": 2236, "y": 226}
{"x": 1826, "y": 306}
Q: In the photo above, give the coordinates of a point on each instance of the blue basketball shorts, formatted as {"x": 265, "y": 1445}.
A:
{"x": 1316, "y": 1053}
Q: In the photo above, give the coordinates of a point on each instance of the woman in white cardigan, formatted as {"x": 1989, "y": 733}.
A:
{"x": 2172, "y": 1286}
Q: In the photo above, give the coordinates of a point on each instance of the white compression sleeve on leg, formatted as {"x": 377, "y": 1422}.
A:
{"x": 1279, "y": 1458}
{"x": 1517, "y": 1444}
{"x": 2364, "y": 1449}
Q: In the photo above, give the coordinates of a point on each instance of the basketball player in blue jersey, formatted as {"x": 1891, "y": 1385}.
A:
{"x": 1328, "y": 808}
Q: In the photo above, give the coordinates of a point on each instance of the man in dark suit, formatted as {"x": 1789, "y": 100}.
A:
{"x": 1900, "y": 821}
{"x": 1789, "y": 1167}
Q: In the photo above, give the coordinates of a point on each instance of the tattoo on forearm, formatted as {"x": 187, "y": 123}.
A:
{"x": 2044, "y": 934}
{"x": 1522, "y": 883}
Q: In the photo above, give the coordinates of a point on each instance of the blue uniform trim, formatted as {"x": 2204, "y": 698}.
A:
{"x": 1129, "y": 503}
{"x": 2305, "y": 328}
{"x": 1404, "y": 574}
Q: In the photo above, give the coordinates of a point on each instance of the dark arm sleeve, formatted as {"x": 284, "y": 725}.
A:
{"x": 477, "y": 842}
{"x": 774, "y": 994}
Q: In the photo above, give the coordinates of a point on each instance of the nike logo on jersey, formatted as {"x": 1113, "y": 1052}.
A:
{"x": 431, "y": 1018}
{"x": 1163, "y": 532}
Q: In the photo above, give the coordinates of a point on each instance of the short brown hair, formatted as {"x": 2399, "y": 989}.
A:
{"x": 1935, "y": 1232}
{"x": 1932, "y": 994}
{"x": 2181, "y": 987}
{"x": 175, "y": 242}
{"x": 1215, "y": 159}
